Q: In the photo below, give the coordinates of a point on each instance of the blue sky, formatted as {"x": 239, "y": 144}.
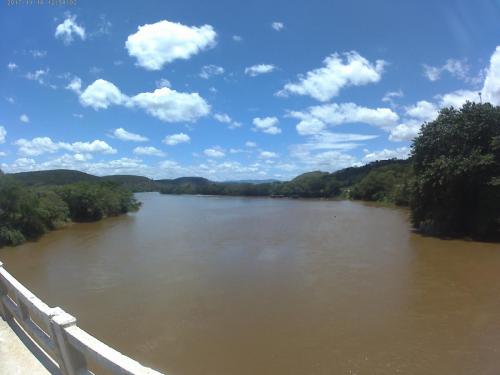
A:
{"x": 234, "y": 90}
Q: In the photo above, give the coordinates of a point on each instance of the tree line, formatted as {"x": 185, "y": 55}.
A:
{"x": 450, "y": 182}
{"x": 28, "y": 212}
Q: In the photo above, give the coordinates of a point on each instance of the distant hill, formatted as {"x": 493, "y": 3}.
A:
{"x": 53, "y": 177}
{"x": 310, "y": 184}
{"x": 253, "y": 182}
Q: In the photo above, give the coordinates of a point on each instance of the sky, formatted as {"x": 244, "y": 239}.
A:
{"x": 234, "y": 90}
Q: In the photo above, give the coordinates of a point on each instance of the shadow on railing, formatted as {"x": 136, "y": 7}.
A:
{"x": 61, "y": 346}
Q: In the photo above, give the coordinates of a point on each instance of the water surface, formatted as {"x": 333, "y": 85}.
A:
{"x": 244, "y": 286}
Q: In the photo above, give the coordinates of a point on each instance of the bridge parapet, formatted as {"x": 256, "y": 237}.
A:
{"x": 57, "y": 333}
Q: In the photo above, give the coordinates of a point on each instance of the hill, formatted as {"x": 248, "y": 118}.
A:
{"x": 53, "y": 177}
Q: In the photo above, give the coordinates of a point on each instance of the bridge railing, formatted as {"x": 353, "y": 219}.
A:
{"x": 56, "y": 332}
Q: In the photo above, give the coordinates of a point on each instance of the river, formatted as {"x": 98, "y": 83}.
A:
{"x": 242, "y": 286}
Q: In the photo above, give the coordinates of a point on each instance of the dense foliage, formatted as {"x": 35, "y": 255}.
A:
{"x": 363, "y": 181}
{"x": 28, "y": 212}
{"x": 457, "y": 167}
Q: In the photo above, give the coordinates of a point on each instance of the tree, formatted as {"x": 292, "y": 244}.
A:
{"x": 457, "y": 167}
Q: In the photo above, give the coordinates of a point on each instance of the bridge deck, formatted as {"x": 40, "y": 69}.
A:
{"x": 15, "y": 357}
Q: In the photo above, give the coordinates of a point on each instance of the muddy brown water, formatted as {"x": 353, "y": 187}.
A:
{"x": 226, "y": 286}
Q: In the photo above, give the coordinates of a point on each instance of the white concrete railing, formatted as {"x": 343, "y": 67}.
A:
{"x": 56, "y": 332}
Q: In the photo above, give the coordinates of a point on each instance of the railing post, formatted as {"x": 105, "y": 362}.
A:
{"x": 4, "y": 311}
{"x": 71, "y": 361}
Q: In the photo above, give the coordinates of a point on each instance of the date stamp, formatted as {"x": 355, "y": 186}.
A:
{"x": 45, "y": 3}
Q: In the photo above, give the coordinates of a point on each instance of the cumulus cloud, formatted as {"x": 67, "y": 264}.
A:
{"x": 457, "y": 68}
{"x": 406, "y": 131}
{"x": 3, "y": 134}
{"x": 398, "y": 153}
{"x": 237, "y": 38}
{"x": 24, "y": 118}
{"x": 101, "y": 94}
{"x": 422, "y": 110}
{"x": 41, "y": 145}
{"x": 259, "y": 69}
{"x": 226, "y": 119}
{"x": 268, "y": 155}
{"x": 12, "y": 66}
{"x": 208, "y": 71}
{"x": 171, "y": 106}
{"x": 148, "y": 150}
{"x": 215, "y": 152}
{"x": 339, "y": 71}
{"x": 250, "y": 144}
{"x": 278, "y": 26}
{"x": 491, "y": 87}
{"x": 268, "y": 125}
{"x": 124, "y": 135}
{"x": 316, "y": 118}
{"x": 164, "y": 103}
{"x": 157, "y": 44}
{"x": 163, "y": 82}
{"x": 75, "y": 85}
{"x": 175, "y": 139}
{"x": 69, "y": 29}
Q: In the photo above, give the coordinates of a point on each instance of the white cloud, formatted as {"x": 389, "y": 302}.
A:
{"x": 148, "y": 150}
{"x": 457, "y": 68}
{"x": 38, "y": 75}
{"x": 226, "y": 119}
{"x": 405, "y": 131}
{"x": 398, "y": 153}
{"x": 101, "y": 94}
{"x": 3, "y": 134}
{"x": 157, "y": 44}
{"x": 171, "y": 106}
{"x": 457, "y": 98}
{"x": 309, "y": 126}
{"x": 75, "y": 85}
{"x": 42, "y": 145}
{"x": 164, "y": 103}
{"x": 237, "y": 38}
{"x": 67, "y": 30}
{"x": 324, "y": 83}
{"x": 316, "y": 118}
{"x": 24, "y": 118}
{"x": 258, "y": 69}
{"x": 38, "y": 53}
{"x": 215, "y": 152}
{"x": 278, "y": 26}
{"x": 250, "y": 144}
{"x": 208, "y": 71}
{"x": 268, "y": 155}
{"x": 423, "y": 110}
{"x": 163, "y": 82}
{"x": 175, "y": 139}
{"x": 10, "y": 99}
{"x": 267, "y": 125}
{"x": 124, "y": 135}
{"x": 491, "y": 88}
{"x": 12, "y": 66}
{"x": 391, "y": 95}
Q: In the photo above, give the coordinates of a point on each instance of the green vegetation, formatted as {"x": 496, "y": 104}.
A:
{"x": 28, "y": 212}
{"x": 456, "y": 159}
{"x": 451, "y": 183}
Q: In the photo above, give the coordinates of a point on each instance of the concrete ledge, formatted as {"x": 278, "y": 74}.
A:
{"x": 19, "y": 355}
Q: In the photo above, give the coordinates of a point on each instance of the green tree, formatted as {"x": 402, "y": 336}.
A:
{"x": 457, "y": 164}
